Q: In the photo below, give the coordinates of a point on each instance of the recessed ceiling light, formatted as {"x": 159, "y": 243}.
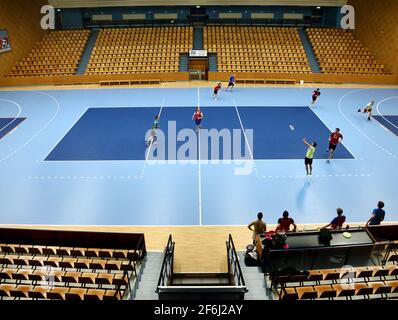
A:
{"x": 198, "y": 7}
{"x": 318, "y": 7}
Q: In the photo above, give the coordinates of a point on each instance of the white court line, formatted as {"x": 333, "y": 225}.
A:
{"x": 378, "y": 111}
{"x": 355, "y": 158}
{"x": 316, "y": 176}
{"x": 199, "y": 181}
{"x": 246, "y": 140}
{"x": 244, "y": 133}
{"x": 108, "y": 177}
{"x": 198, "y": 97}
{"x": 356, "y": 127}
{"x": 199, "y": 171}
{"x": 38, "y": 132}
{"x": 150, "y": 146}
{"x": 16, "y": 117}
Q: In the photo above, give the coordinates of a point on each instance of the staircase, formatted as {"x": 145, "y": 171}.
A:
{"x": 309, "y": 52}
{"x": 81, "y": 69}
{"x": 213, "y": 62}
{"x": 254, "y": 280}
{"x": 184, "y": 62}
{"x": 198, "y": 38}
{"x": 148, "y": 282}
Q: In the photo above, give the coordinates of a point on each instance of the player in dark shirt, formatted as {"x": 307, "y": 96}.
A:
{"x": 315, "y": 96}
{"x": 334, "y": 139}
{"x": 215, "y": 90}
{"x": 285, "y": 222}
{"x": 231, "y": 83}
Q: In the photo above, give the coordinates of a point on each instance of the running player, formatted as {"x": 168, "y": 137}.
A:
{"x": 368, "y": 109}
{"x": 231, "y": 83}
{"x": 309, "y": 157}
{"x": 197, "y": 117}
{"x": 216, "y": 89}
{"x": 155, "y": 126}
{"x": 315, "y": 96}
{"x": 335, "y": 138}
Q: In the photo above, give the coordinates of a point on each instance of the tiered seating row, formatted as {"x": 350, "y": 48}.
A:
{"x": 57, "y": 54}
{"x": 139, "y": 50}
{"x": 339, "y": 52}
{"x": 56, "y": 272}
{"x": 335, "y": 283}
{"x": 256, "y": 49}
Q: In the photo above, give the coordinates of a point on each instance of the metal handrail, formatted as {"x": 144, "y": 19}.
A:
{"x": 166, "y": 272}
{"x": 234, "y": 268}
{"x": 132, "y": 262}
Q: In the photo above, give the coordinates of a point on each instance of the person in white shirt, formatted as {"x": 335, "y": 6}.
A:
{"x": 368, "y": 109}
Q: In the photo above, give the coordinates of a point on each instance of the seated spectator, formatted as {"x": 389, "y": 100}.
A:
{"x": 337, "y": 222}
{"x": 259, "y": 226}
{"x": 285, "y": 222}
{"x": 378, "y": 215}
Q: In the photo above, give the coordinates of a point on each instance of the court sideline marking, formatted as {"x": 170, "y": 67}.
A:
{"x": 356, "y": 127}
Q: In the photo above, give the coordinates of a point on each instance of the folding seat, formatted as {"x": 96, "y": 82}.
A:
{"x": 288, "y": 294}
{"x": 75, "y": 294}
{"x": 20, "y": 291}
{"x": 57, "y": 293}
{"x": 325, "y": 291}
{"x": 21, "y": 274}
{"x": 393, "y": 284}
{"x": 380, "y": 287}
{"x": 38, "y": 292}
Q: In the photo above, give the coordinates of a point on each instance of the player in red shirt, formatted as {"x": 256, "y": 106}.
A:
{"x": 197, "y": 117}
{"x": 334, "y": 139}
{"x": 315, "y": 96}
{"x": 285, "y": 222}
{"x": 216, "y": 89}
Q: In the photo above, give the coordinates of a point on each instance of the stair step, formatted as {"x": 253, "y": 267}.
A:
{"x": 81, "y": 69}
{"x": 313, "y": 62}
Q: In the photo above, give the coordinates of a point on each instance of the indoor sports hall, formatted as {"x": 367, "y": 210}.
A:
{"x": 127, "y": 173}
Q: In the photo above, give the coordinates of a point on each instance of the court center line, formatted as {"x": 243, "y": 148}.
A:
{"x": 199, "y": 171}
{"x": 356, "y": 127}
{"x": 199, "y": 181}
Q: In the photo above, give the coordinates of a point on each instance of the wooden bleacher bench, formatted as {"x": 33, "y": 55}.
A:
{"x": 267, "y": 81}
{"x": 129, "y": 82}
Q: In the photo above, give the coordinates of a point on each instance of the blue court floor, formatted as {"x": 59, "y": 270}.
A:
{"x": 78, "y": 157}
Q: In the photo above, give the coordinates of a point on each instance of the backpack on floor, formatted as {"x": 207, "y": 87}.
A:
{"x": 251, "y": 257}
{"x": 278, "y": 241}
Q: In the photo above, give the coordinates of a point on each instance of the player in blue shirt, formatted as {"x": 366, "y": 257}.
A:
{"x": 231, "y": 82}
{"x": 378, "y": 215}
